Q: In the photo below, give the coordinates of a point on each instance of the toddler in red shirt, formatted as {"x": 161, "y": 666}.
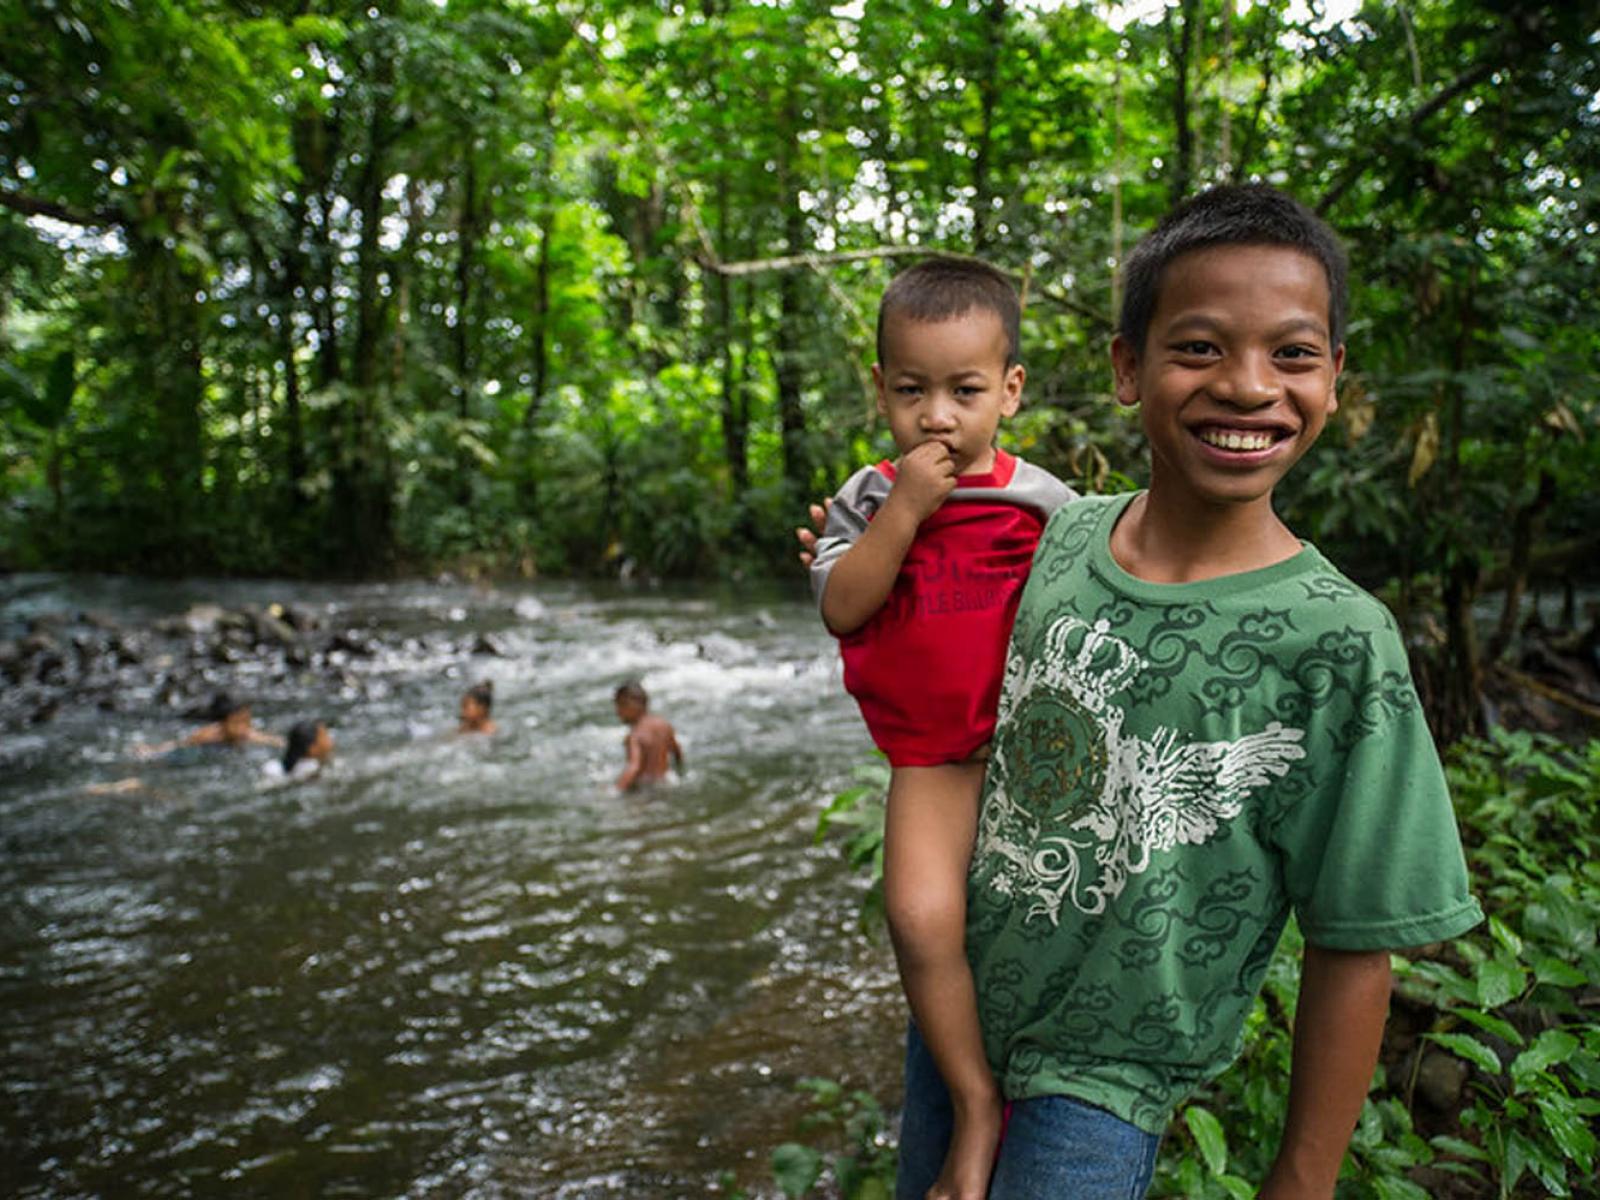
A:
{"x": 918, "y": 573}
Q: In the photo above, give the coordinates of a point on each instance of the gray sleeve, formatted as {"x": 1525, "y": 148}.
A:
{"x": 853, "y": 506}
{"x": 1039, "y": 489}
{"x": 1030, "y": 487}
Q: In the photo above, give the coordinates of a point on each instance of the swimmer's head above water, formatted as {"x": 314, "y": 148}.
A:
{"x": 477, "y": 703}
{"x": 631, "y": 701}
{"x": 232, "y": 717}
{"x": 308, "y": 740}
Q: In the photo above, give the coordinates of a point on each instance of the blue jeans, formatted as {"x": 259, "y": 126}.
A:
{"x": 1055, "y": 1148}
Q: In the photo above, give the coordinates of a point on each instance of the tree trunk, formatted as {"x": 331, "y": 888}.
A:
{"x": 466, "y": 267}
{"x": 787, "y": 367}
{"x": 362, "y": 492}
{"x": 1225, "y": 107}
{"x": 735, "y": 414}
{"x": 173, "y": 381}
{"x": 466, "y": 254}
{"x": 1180, "y": 44}
{"x": 994, "y": 17}
{"x": 1523, "y": 527}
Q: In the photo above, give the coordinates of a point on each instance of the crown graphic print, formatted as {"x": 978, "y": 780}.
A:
{"x": 1077, "y": 804}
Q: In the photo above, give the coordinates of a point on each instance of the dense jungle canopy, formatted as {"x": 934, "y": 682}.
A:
{"x": 587, "y": 286}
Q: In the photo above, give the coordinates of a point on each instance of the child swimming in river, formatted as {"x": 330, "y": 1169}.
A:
{"x": 652, "y": 743}
{"x": 309, "y": 748}
{"x": 477, "y": 703}
{"x": 231, "y": 724}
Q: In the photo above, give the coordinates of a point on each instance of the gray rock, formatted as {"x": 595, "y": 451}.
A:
{"x": 1440, "y": 1079}
{"x": 484, "y": 644}
{"x": 203, "y": 617}
{"x": 274, "y": 630}
{"x": 37, "y": 643}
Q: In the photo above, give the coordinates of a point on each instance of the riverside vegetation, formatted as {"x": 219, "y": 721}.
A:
{"x": 1489, "y": 1081}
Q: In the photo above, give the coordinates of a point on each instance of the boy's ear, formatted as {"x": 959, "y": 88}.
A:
{"x": 878, "y": 386}
{"x": 1125, "y": 367}
{"x": 1333, "y": 385}
{"x": 1011, "y": 389}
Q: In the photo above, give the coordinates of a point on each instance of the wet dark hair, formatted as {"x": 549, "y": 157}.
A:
{"x": 941, "y": 289}
{"x": 632, "y": 690}
{"x": 299, "y": 743}
{"x": 1250, "y": 214}
{"x": 482, "y": 694}
{"x": 224, "y": 705}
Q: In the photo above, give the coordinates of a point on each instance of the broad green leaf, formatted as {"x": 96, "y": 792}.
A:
{"x": 1568, "y": 1129}
{"x": 1470, "y": 1048}
{"x": 1499, "y": 982}
{"x": 1501, "y": 1028}
{"x": 796, "y": 1168}
{"x": 1208, "y": 1136}
{"x": 825, "y": 1092}
{"x": 1239, "y": 1189}
{"x": 1549, "y": 1048}
{"x": 1503, "y": 933}
{"x": 1396, "y": 1187}
{"x": 1461, "y": 1148}
{"x": 1554, "y": 971}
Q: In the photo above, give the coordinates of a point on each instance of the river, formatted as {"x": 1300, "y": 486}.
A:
{"x": 445, "y": 967}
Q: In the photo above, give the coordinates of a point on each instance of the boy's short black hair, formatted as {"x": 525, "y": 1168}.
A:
{"x": 224, "y": 705}
{"x": 942, "y": 288}
{"x": 299, "y": 742}
{"x": 482, "y": 694}
{"x": 1248, "y": 214}
{"x": 632, "y": 690}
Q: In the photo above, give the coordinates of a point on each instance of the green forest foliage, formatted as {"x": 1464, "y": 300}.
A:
{"x": 1488, "y": 1084}
{"x": 587, "y": 286}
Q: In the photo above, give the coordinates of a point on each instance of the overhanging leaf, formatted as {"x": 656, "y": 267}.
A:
{"x": 1425, "y": 451}
{"x": 1208, "y": 1135}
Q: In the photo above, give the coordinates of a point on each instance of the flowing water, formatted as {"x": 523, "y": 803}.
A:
{"x": 446, "y": 966}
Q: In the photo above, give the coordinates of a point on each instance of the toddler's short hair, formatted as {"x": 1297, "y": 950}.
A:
{"x": 482, "y": 694}
{"x": 941, "y": 288}
{"x": 1250, "y": 214}
{"x": 632, "y": 690}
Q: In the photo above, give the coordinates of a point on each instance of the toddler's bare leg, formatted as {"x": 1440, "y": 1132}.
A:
{"x": 928, "y": 834}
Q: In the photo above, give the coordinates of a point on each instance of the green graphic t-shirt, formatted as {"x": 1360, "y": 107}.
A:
{"x": 1176, "y": 768}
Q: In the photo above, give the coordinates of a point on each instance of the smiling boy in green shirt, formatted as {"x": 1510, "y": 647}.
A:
{"x": 1203, "y": 728}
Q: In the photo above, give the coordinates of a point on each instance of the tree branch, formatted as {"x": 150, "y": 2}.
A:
{"x": 32, "y": 206}
{"x": 1554, "y": 694}
{"x": 1463, "y": 82}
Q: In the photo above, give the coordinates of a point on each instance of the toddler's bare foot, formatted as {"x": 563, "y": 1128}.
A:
{"x": 970, "y": 1159}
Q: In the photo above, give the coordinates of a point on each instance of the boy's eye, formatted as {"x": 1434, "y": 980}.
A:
{"x": 1300, "y": 352}
{"x": 1197, "y": 348}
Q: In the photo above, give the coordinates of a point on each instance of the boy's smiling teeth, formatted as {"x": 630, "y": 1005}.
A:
{"x": 1233, "y": 439}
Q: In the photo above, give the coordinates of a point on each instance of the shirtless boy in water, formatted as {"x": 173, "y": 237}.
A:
{"x": 231, "y": 725}
{"x": 651, "y": 743}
